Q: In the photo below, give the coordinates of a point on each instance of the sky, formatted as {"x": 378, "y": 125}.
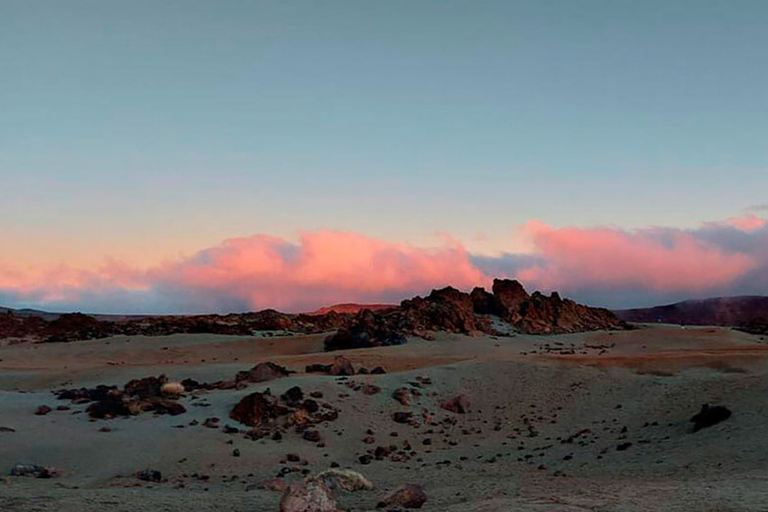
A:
{"x": 195, "y": 156}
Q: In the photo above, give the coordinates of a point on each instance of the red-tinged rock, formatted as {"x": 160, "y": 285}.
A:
{"x": 342, "y": 366}
{"x": 312, "y": 496}
{"x": 258, "y": 409}
{"x": 458, "y": 404}
{"x": 402, "y": 395}
{"x": 406, "y": 496}
{"x": 42, "y": 410}
{"x": 402, "y": 416}
{"x": 263, "y": 372}
{"x": 483, "y": 302}
{"x": 149, "y": 387}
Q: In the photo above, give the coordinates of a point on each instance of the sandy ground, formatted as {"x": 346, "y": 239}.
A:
{"x": 527, "y": 395}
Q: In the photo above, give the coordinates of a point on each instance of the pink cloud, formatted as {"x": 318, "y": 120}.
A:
{"x": 747, "y": 223}
{"x": 324, "y": 267}
{"x": 666, "y": 260}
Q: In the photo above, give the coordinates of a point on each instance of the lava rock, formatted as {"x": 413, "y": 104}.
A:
{"x": 406, "y": 496}
{"x": 710, "y": 415}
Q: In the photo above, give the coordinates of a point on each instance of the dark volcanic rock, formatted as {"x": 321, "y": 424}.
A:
{"x": 293, "y": 396}
{"x": 367, "y": 329}
{"x": 483, "y": 302}
{"x": 406, "y": 496}
{"x": 257, "y": 409}
{"x": 509, "y": 295}
{"x": 402, "y": 395}
{"x": 458, "y": 404}
{"x": 111, "y": 406}
{"x": 263, "y": 372}
{"x": 447, "y": 309}
{"x": 149, "y": 475}
{"x": 342, "y": 366}
{"x": 318, "y": 368}
{"x": 710, "y": 415}
{"x": 33, "y": 470}
{"x": 402, "y": 417}
{"x": 42, "y": 410}
{"x": 76, "y": 326}
{"x": 149, "y": 387}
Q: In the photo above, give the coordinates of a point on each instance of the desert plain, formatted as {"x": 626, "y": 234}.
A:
{"x": 597, "y": 421}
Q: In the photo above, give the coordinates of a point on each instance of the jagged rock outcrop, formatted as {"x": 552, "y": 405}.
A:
{"x": 446, "y": 309}
{"x": 367, "y": 329}
{"x": 509, "y": 297}
{"x": 483, "y": 302}
{"x": 268, "y": 414}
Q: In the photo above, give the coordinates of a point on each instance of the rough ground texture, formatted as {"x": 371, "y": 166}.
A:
{"x": 453, "y": 311}
{"x": 570, "y": 422}
{"x": 448, "y": 310}
{"x": 726, "y": 311}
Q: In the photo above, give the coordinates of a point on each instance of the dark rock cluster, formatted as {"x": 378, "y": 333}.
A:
{"x": 137, "y": 396}
{"x": 453, "y": 311}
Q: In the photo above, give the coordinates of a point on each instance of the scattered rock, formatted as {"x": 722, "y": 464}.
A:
{"x": 342, "y": 366}
{"x": 149, "y": 475}
{"x": 263, "y": 372}
{"x": 402, "y": 395}
{"x": 42, "y": 410}
{"x": 710, "y": 415}
{"x": 33, "y": 470}
{"x": 257, "y": 409}
{"x": 402, "y": 416}
{"x": 312, "y": 496}
{"x": 458, "y": 404}
{"x": 406, "y": 496}
{"x": 293, "y": 396}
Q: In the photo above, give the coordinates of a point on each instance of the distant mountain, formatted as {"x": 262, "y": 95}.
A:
{"x": 352, "y": 308}
{"x": 47, "y": 315}
{"x": 30, "y": 312}
{"x": 725, "y": 311}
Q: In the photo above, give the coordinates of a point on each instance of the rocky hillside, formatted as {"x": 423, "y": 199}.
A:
{"x": 352, "y": 308}
{"x": 725, "y": 311}
{"x": 448, "y": 310}
{"x": 454, "y": 311}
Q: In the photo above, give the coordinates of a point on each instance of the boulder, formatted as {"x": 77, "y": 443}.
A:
{"x": 318, "y": 368}
{"x": 342, "y": 366}
{"x": 509, "y": 295}
{"x": 483, "y": 302}
{"x": 402, "y": 395}
{"x": 42, "y": 410}
{"x": 33, "y": 470}
{"x": 367, "y": 329}
{"x": 710, "y": 415}
{"x": 257, "y": 409}
{"x": 406, "y": 496}
{"x": 110, "y": 406}
{"x": 149, "y": 475}
{"x": 458, "y": 404}
{"x": 312, "y": 496}
{"x": 149, "y": 387}
{"x": 263, "y": 372}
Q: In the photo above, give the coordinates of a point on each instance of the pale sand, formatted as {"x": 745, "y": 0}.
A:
{"x": 660, "y": 374}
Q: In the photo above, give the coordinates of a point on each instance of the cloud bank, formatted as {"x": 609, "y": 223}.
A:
{"x": 603, "y": 266}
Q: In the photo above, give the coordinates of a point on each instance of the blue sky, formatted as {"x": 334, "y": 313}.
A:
{"x": 143, "y": 130}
